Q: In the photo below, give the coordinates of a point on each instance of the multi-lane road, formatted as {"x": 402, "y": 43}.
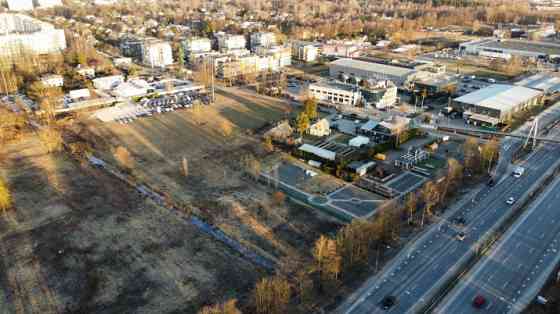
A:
{"x": 510, "y": 277}
{"x": 424, "y": 267}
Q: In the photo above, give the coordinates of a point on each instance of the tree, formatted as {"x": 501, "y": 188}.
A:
{"x": 411, "y": 204}
{"x": 229, "y": 307}
{"x": 431, "y": 198}
{"x": 5, "y": 196}
{"x": 489, "y": 153}
{"x": 454, "y": 175}
{"x": 472, "y": 154}
{"x": 272, "y": 295}
{"x": 51, "y": 138}
{"x": 124, "y": 158}
{"x": 279, "y": 197}
{"x": 181, "y": 57}
{"x": 225, "y": 128}
{"x": 310, "y": 108}
{"x": 302, "y": 122}
{"x": 268, "y": 146}
{"x": 185, "y": 167}
{"x": 328, "y": 262}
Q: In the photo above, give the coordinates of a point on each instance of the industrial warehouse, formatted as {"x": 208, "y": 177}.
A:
{"x": 496, "y": 103}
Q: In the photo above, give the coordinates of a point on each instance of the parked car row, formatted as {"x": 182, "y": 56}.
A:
{"x": 163, "y": 104}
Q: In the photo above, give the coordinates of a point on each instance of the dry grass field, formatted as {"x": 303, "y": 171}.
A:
{"x": 217, "y": 185}
{"x": 80, "y": 241}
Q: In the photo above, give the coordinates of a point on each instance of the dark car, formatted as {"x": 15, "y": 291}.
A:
{"x": 388, "y": 302}
{"x": 479, "y": 302}
{"x": 460, "y": 221}
{"x": 491, "y": 182}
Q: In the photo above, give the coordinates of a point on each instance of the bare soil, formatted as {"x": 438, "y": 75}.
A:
{"x": 80, "y": 241}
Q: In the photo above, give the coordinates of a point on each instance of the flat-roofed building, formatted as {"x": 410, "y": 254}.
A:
{"x": 358, "y": 70}
{"x": 511, "y": 47}
{"x": 20, "y": 5}
{"x": 197, "y": 45}
{"x": 228, "y": 42}
{"x": 44, "y": 4}
{"x": 333, "y": 93}
{"x": 22, "y": 34}
{"x": 304, "y": 51}
{"x": 546, "y": 82}
{"x": 381, "y": 94}
{"x": 496, "y": 103}
{"x": 262, "y": 39}
{"x": 157, "y": 53}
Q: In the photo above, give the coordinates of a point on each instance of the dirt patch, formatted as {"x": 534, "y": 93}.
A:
{"x": 80, "y": 241}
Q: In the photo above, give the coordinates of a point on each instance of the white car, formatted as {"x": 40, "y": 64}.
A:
{"x": 510, "y": 201}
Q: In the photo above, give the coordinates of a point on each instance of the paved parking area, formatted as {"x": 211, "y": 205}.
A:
{"x": 406, "y": 182}
{"x": 359, "y": 202}
{"x": 291, "y": 174}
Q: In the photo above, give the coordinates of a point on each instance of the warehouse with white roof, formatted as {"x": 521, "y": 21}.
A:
{"x": 496, "y": 103}
{"x": 546, "y": 82}
{"x": 358, "y": 70}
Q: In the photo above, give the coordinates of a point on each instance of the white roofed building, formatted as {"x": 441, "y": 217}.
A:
{"x": 22, "y": 34}
{"x": 318, "y": 151}
{"x": 20, "y": 5}
{"x": 44, "y": 4}
{"x": 53, "y": 80}
{"x": 358, "y": 70}
{"x": 496, "y": 103}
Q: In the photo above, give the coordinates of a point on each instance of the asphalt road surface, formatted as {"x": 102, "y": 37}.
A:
{"x": 518, "y": 267}
{"x": 419, "y": 272}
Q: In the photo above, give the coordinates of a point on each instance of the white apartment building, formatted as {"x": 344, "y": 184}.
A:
{"x": 227, "y": 42}
{"x": 335, "y": 93}
{"x": 197, "y": 45}
{"x": 20, "y": 33}
{"x": 381, "y": 94}
{"x": 157, "y": 53}
{"x": 49, "y": 3}
{"x": 304, "y": 51}
{"x": 20, "y": 5}
{"x": 262, "y": 39}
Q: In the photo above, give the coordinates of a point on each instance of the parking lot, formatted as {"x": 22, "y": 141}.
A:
{"x": 359, "y": 202}
{"x": 150, "y": 106}
{"x": 405, "y": 182}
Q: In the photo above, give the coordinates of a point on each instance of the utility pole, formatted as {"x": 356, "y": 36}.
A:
{"x": 212, "y": 79}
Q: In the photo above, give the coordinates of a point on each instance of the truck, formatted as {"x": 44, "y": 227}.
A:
{"x": 518, "y": 171}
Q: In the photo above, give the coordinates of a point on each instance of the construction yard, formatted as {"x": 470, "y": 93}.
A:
{"x": 217, "y": 144}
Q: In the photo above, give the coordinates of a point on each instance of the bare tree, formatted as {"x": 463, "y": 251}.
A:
{"x": 185, "y": 167}
{"x": 272, "y": 295}
{"x": 5, "y": 196}
{"x": 124, "y": 158}
{"x": 229, "y": 307}
{"x": 51, "y": 138}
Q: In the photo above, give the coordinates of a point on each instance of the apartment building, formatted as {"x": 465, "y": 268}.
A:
{"x": 262, "y": 39}
{"x": 20, "y": 33}
{"x": 304, "y": 51}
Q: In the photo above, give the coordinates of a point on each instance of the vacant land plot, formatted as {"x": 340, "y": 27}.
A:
{"x": 216, "y": 184}
{"x": 80, "y": 241}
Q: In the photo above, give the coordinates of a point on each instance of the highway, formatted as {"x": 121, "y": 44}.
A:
{"x": 422, "y": 268}
{"x": 511, "y": 276}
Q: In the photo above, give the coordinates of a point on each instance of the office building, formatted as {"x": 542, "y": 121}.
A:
{"x": 157, "y": 53}
{"x": 228, "y": 42}
{"x": 332, "y": 93}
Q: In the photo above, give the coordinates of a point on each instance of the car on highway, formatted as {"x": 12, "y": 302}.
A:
{"x": 388, "y": 302}
{"x": 460, "y": 221}
{"x": 461, "y": 236}
{"x": 479, "y": 302}
{"x": 510, "y": 201}
{"x": 491, "y": 182}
